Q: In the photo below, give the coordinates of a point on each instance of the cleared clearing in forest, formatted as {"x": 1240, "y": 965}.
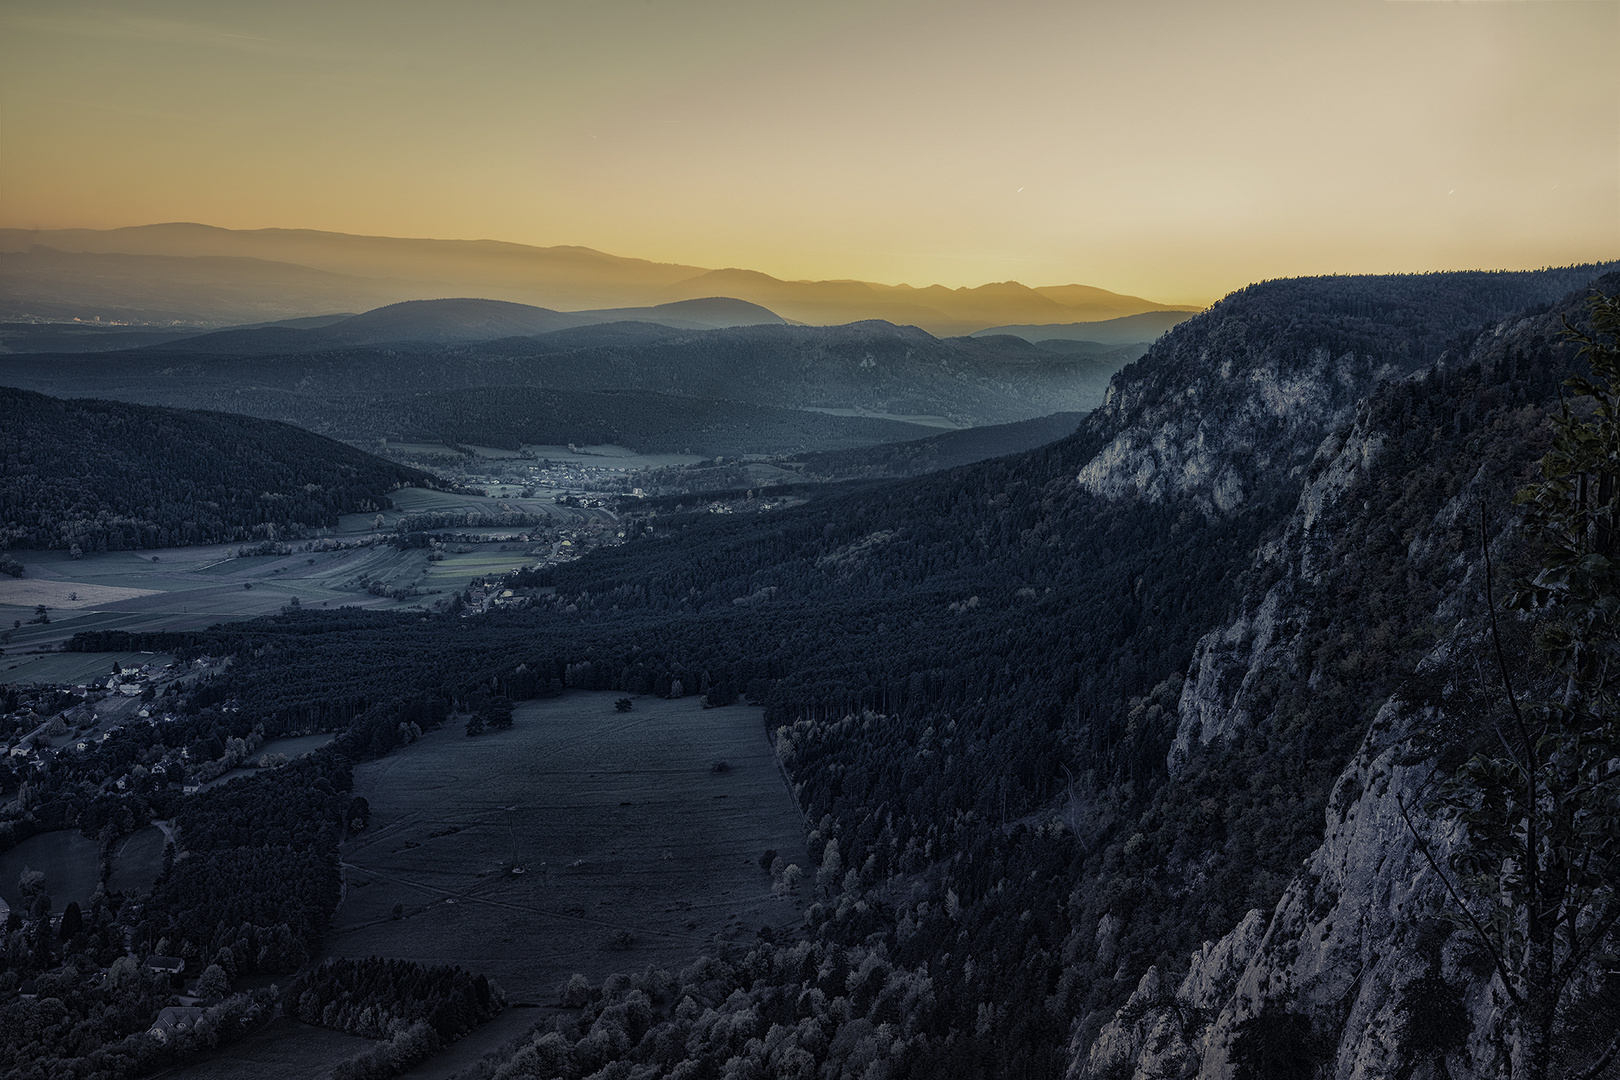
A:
{"x": 622, "y": 824}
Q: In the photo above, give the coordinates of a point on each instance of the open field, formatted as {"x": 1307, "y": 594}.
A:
{"x": 138, "y": 861}
{"x": 619, "y": 819}
{"x": 924, "y": 421}
{"x": 71, "y": 865}
{"x": 193, "y": 587}
{"x": 72, "y": 669}
{"x": 610, "y": 457}
{"x": 285, "y": 1049}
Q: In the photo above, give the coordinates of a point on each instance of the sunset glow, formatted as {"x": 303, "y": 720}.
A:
{"x": 1167, "y": 149}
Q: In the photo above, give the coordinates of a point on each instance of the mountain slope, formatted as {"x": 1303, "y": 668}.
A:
{"x": 102, "y": 475}
{"x": 1383, "y": 544}
{"x": 872, "y": 367}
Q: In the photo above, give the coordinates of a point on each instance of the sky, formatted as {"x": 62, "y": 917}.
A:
{"x": 1174, "y": 149}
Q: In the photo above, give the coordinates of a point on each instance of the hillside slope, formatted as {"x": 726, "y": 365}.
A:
{"x": 103, "y": 475}
{"x": 1381, "y": 557}
{"x": 873, "y": 368}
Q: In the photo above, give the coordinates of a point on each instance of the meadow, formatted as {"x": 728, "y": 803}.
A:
{"x": 194, "y": 587}
{"x": 636, "y": 849}
{"x": 71, "y": 865}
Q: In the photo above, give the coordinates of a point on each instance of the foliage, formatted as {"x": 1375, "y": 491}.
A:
{"x": 1541, "y": 865}
{"x": 377, "y": 998}
{"x": 107, "y": 476}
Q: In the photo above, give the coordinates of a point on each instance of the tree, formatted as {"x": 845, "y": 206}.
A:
{"x": 214, "y": 983}
{"x": 72, "y": 922}
{"x": 1538, "y": 878}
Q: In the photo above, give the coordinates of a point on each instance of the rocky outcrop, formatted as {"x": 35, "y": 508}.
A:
{"x": 1356, "y": 970}
{"x": 1356, "y": 950}
{"x": 1229, "y": 407}
{"x": 1242, "y": 419}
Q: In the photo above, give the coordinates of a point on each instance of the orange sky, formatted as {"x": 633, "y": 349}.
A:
{"x": 1170, "y": 149}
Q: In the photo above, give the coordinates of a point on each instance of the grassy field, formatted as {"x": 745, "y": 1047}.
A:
{"x": 283, "y": 1050}
{"x": 188, "y": 588}
{"x": 71, "y": 668}
{"x": 138, "y": 861}
{"x": 620, "y": 820}
{"x": 71, "y": 865}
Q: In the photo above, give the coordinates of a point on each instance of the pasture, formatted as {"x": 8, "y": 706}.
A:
{"x": 636, "y": 851}
{"x": 193, "y": 587}
{"x": 71, "y": 865}
{"x": 284, "y": 1049}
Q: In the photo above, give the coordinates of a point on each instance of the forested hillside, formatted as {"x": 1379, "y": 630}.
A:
{"x": 509, "y": 417}
{"x": 1055, "y": 719}
{"x": 873, "y": 367}
{"x": 109, "y": 476}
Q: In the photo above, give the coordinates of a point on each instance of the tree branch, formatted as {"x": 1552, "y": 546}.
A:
{"x": 1479, "y": 929}
{"x": 1603, "y": 1060}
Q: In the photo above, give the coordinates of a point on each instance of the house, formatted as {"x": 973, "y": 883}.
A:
{"x": 167, "y": 965}
{"x": 174, "y": 1020}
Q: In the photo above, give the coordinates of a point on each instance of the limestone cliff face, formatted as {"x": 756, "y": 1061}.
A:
{"x": 1247, "y": 413}
{"x": 1355, "y": 948}
{"x": 1233, "y": 402}
{"x": 1355, "y": 960}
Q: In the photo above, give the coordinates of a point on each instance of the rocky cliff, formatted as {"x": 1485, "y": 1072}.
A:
{"x": 1354, "y": 972}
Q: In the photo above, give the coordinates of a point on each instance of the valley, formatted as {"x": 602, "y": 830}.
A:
{"x": 1046, "y": 716}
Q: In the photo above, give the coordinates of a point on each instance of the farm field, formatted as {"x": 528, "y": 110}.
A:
{"x": 72, "y": 669}
{"x": 284, "y": 1050}
{"x": 610, "y": 457}
{"x": 923, "y": 420}
{"x": 71, "y": 865}
{"x": 622, "y": 824}
{"x": 193, "y": 587}
{"x": 138, "y": 861}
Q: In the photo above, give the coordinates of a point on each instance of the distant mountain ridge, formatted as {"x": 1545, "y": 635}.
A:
{"x": 464, "y": 320}
{"x": 67, "y": 273}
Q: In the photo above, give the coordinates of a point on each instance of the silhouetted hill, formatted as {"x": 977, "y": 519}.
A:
{"x": 461, "y": 320}
{"x": 388, "y": 269}
{"x": 44, "y": 284}
{"x": 106, "y": 475}
{"x": 507, "y": 417}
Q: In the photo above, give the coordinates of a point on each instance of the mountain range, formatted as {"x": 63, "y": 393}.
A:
{"x": 182, "y": 272}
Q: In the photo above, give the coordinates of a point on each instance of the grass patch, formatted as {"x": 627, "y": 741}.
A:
{"x": 636, "y": 850}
